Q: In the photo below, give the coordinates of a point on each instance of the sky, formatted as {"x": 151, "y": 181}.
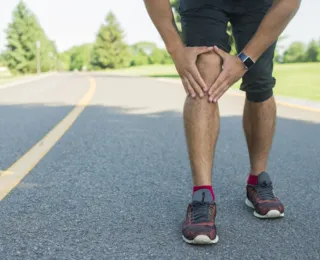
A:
{"x": 73, "y": 22}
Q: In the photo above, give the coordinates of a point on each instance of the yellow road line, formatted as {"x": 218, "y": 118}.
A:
{"x": 311, "y": 109}
{"x": 11, "y": 177}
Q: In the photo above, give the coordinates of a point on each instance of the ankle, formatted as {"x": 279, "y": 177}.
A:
{"x": 208, "y": 187}
{"x": 252, "y": 179}
{"x": 257, "y": 171}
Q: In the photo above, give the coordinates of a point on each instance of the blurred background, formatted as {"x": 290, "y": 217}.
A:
{"x": 118, "y": 36}
{"x": 98, "y": 169}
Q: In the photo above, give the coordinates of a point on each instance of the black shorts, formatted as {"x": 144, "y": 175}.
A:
{"x": 204, "y": 23}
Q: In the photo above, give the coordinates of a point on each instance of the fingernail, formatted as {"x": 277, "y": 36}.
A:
{"x": 210, "y": 99}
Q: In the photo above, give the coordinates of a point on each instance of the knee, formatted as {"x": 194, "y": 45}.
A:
{"x": 209, "y": 66}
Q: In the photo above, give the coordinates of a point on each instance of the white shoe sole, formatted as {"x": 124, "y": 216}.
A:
{"x": 271, "y": 214}
{"x": 201, "y": 240}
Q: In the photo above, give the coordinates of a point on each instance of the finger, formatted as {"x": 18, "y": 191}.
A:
{"x": 196, "y": 75}
{"x": 187, "y": 86}
{"x": 215, "y": 94}
{"x": 186, "y": 89}
{"x": 204, "y": 49}
{"x": 195, "y": 86}
{"x": 218, "y": 82}
{"x": 220, "y": 52}
{"x": 220, "y": 94}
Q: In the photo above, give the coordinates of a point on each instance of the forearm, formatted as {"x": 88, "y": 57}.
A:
{"x": 273, "y": 24}
{"x": 162, "y": 17}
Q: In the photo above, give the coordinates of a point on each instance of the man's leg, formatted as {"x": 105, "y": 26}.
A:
{"x": 259, "y": 120}
{"x": 201, "y": 121}
{"x": 259, "y": 117}
{"x": 203, "y": 24}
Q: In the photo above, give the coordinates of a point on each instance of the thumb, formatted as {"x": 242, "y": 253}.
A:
{"x": 204, "y": 49}
{"x": 220, "y": 52}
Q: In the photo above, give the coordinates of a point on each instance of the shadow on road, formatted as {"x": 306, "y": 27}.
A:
{"x": 117, "y": 184}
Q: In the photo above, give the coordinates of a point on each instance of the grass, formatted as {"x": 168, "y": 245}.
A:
{"x": 6, "y": 77}
{"x": 300, "y": 80}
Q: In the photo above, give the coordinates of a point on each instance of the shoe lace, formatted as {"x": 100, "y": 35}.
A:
{"x": 201, "y": 211}
{"x": 265, "y": 191}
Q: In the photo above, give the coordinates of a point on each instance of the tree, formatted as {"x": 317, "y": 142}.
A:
{"x": 110, "y": 50}
{"x": 77, "y": 57}
{"x": 140, "y": 52}
{"x": 80, "y": 56}
{"x": 177, "y": 18}
{"x": 2, "y": 59}
{"x": 278, "y": 57}
{"x": 295, "y": 53}
{"x": 22, "y": 35}
{"x": 313, "y": 52}
{"x": 144, "y": 53}
{"x": 160, "y": 56}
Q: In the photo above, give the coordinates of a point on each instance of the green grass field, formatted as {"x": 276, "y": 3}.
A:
{"x": 293, "y": 80}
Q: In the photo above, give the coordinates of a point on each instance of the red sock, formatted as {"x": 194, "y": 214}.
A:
{"x": 195, "y": 188}
{"x": 252, "y": 179}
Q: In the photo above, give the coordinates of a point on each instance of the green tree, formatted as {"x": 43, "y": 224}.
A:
{"x": 295, "y": 53}
{"x": 64, "y": 60}
{"x": 77, "y": 57}
{"x": 160, "y": 56}
{"x": 2, "y": 59}
{"x": 110, "y": 50}
{"x": 140, "y": 53}
{"x": 177, "y": 18}
{"x": 80, "y": 56}
{"x": 313, "y": 52}
{"x": 139, "y": 58}
{"x": 279, "y": 49}
{"x": 22, "y": 35}
{"x": 144, "y": 53}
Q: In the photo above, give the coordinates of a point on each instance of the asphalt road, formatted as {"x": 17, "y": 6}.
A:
{"x": 117, "y": 184}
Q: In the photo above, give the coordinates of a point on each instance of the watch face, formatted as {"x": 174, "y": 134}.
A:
{"x": 248, "y": 62}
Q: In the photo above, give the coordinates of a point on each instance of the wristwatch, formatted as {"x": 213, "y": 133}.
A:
{"x": 247, "y": 61}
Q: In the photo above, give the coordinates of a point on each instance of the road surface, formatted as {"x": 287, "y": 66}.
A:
{"x": 117, "y": 183}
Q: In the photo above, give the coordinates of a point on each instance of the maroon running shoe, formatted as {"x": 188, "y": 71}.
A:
{"x": 261, "y": 198}
{"x": 199, "y": 226}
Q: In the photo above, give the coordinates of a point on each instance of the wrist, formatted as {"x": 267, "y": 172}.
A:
{"x": 174, "y": 47}
{"x": 247, "y": 61}
{"x": 250, "y": 52}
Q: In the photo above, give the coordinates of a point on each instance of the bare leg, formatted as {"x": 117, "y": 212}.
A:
{"x": 201, "y": 121}
{"x": 259, "y": 121}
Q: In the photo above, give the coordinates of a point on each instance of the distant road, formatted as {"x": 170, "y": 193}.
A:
{"x": 117, "y": 182}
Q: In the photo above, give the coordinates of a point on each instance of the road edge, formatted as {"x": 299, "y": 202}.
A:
{"x": 27, "y": 80}
{"x": 279, "y": 99}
